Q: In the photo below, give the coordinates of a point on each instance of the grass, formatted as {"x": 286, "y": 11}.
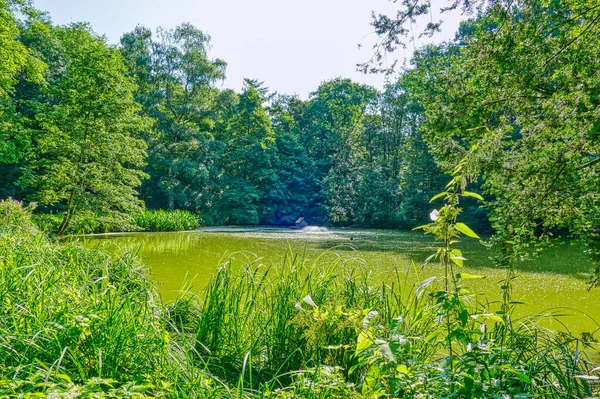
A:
{"x": 163, "y": 220}
{"x": 76, "y": 322}
{"x": 149, "y": 220}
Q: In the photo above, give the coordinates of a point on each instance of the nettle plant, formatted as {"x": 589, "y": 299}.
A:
{"x": 446, "y": 342}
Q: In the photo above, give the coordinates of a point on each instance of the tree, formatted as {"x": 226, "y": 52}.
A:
{"x": 176, "y": 80}
{"x": 295, "y": 191}
{"x": 86, "y": 155}
{"x": 248, "y": 159}
{"x": 16, "y": 62}
{"x": 519, "y": 95}
{"x": 337, "y": 111}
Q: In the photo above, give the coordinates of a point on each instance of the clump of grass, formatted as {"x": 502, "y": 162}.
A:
{"x": 73, "y": 319}
{"x": 163, "y": 220}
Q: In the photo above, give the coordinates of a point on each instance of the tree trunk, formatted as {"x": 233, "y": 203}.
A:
{"x": 68, "y": 214}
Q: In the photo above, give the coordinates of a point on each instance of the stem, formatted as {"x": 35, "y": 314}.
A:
{"x": 68, "y": 214}
{"x": 446, "y": 267}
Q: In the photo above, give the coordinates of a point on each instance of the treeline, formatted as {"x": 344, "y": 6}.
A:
{"x": 90, "y": 128}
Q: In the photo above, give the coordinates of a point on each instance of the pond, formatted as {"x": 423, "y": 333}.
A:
{"x": 553, "y": 284}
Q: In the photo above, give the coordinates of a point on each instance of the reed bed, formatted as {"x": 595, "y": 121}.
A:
{"x": 163, "y": 220}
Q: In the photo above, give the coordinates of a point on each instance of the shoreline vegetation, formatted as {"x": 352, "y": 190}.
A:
{"x": 95, "y": 134}
{"x": 146, "y": 221}
{"x": 81, "y": 323}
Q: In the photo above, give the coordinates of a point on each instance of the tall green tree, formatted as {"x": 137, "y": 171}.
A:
{"x": 17, "y": 62}
{"x": 176, "y": 85}
{"x": 86, "y": 154}
{"x": 337, "y": 111}
{"x": 248, "y": 159}
{"x": 295, "y": 191}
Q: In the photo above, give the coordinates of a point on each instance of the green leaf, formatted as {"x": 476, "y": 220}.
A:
{"x": 522, "y": 376}
{"x": 363, "y": 342}
{"x": 456, "y": 256}
{"x": 469, "y": 276}
{"x": 421, "y": 227}
{"x": 457, "y": 260}
{"x": 466, "y": 230}
{"x": 471, "y": 194}
{"x": 440, "y": 195}
{"x": 385, "y": 350}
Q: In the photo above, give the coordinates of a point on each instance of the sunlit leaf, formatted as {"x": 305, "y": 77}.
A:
{"x": 466, "y": 230}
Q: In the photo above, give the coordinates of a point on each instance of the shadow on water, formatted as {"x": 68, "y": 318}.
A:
{"x": 561, "y": 258}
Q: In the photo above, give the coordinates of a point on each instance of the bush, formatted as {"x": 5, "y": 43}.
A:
{"x": 86, "y": 223}
{"x": 149, "y": 220}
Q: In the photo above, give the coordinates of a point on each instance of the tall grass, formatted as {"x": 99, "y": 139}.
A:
{"x": 163, "y": 220}
{"x": 73, "y": 319}
{"x": 77, "y": 322}
{"x": 149, "y": 220}
{"x": 312, "y": 325}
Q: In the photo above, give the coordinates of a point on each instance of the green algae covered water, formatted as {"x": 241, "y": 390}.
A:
{"x": 553, "y": 284}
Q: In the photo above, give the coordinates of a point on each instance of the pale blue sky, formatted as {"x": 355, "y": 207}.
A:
{"x": 290, "y": 45}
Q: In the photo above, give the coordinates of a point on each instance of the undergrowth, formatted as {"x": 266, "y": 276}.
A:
{"x": 75, "y": 322}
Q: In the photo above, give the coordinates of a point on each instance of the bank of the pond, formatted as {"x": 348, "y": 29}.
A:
{"x": 553, "y": 284}
{"x": 91, "y": 223}
{"x": 78, "y": 322}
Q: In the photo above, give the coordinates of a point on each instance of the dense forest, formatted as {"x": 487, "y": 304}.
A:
{"x": 106, "y": 130}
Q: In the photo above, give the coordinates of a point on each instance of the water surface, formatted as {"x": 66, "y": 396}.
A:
{"x": 555, "y": 283}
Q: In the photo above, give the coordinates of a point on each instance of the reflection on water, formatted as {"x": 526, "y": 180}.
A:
{"x": 554, "y": 281}
{"x": 314, "y": 229}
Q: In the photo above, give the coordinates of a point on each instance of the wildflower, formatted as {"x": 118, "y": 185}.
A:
{"x": 310, "y": 301}
{"x": 434, "y": 215}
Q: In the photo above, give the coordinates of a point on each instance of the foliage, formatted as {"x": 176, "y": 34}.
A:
{"x": 86, "y": 223}
{"x": 16, "y": 60}
{"x": 176, "y": 81}
{"x": 85, "y": 155}
{"x": 248, "y": 159}
{"x": 78, "y": 321}
{"x": 149, "y": 220}
{"x": 520, "y": 84}
{"x": 347, "y": 155}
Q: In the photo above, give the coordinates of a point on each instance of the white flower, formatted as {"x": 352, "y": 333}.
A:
{"x": 434, "y": 215}
{"x": 310, "y": 301}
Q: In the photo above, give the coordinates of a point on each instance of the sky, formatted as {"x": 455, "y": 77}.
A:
{"x": 291, "y": 45}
